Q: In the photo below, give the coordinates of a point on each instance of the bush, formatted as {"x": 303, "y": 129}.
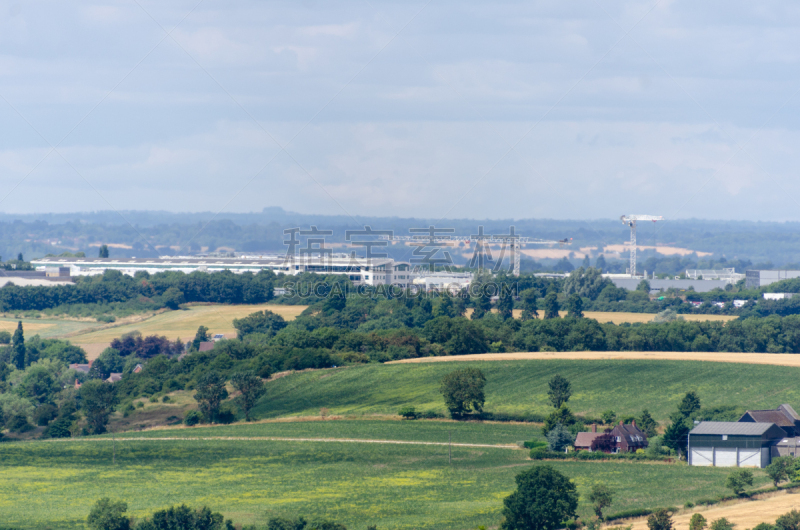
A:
{"x": 140, "y": 405}
{"x": 18, "y": 423}
{"x": 108, "y": 515}
{"x": 738, "y": 480}
{"x": 108, "y": 319}
{"x": 153, "y": 399}
{"x": 629, "y": 514}
{"x": 193, "y": 417}
{"x": 789, "y": 521}
{"x": 408, "y": 413}
{"x": 227, "y": 414}
{"x": 721, "y": 524}
{"x": 165, "y": 399}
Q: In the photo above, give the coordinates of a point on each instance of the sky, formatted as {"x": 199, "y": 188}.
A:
{"x": 549, "y": 109}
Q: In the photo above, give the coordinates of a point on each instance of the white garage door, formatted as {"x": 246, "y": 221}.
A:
{"x": 750, "y": 457}
{"x": 702, "y": 456}
{"x": 725, "y": 457}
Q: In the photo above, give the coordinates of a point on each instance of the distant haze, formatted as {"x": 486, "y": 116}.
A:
{"x": 560, "y": 110}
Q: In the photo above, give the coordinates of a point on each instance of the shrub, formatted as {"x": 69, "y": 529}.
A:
{"x": 738, "y": 480}
{"x": 165, "y": 399}
{"x": 697, "y": 522}
{"x": 721, "y": 524}
{"x": 140, "y": 404}
{"x": 764, "y": 526}
{"x": 408, "y": 413}
{"x": 18, "y": 423}
{"x": 153, "y": 399}
{"x": 193, "y": 417}
{"x": 661, "y": 519}
{"x": 789, "y": 521}
{"x": 108, "y": 515}
{"x": 44, "y": 414}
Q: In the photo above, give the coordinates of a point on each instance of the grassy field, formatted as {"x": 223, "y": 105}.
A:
{"x": 184, "y": 323}
{"x": 46, "y": 328}
{"x": 626, "y": 386}
{"x": 54, "y": 484}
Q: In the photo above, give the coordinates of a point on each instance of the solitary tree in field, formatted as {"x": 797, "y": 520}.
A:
{"x": 210, "y": 394}
{"x": 103, "y": 252}
{"x": 544, "y": 499}
{"x": 721, "y": 524}
{"x": 601, "y": 498}
{"x": 463, "y": 391}
{"x": 251, "y": 387}
{"x": 18, "y": 345}
{"x": 560, "y": 390}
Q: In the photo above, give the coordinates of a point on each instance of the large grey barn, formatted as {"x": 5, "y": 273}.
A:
{"x": 734, "y": 444}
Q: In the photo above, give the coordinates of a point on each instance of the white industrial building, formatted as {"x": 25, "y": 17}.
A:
{"x": 361, "y": 271}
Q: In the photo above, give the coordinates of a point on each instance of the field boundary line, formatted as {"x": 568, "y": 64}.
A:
{"x": 772, "y": 359}
{"x": 278, "y": 439}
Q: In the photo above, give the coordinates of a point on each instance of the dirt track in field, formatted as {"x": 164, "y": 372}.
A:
{"x": 743, "y": 514}
{"x": 745, "y": 358}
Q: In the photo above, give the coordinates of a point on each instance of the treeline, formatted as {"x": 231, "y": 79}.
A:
{"x": 167, "y": 289}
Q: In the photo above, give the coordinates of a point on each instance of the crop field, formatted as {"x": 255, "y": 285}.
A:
{"x": 625, "y": 386}
{"x": 775, "y": 359}
{"x": 184, "y": 323}
{"x": 54, "y": 484}
{"x": 605, "y": 317}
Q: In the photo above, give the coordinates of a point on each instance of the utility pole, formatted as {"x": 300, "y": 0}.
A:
{"x": 114, "y": 455}
{"x": 450, "y": 448}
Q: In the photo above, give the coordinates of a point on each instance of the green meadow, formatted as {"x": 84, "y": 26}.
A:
{"x": 54, "y": 484}
{"x": 624, "y": 386}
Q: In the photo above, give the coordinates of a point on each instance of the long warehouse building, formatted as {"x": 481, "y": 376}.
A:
{"x": 361, "y": 271}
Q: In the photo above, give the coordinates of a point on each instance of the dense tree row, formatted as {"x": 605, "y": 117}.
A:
{"x": 168, "y": 288}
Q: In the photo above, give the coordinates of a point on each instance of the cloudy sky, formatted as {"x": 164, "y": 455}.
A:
{"x": 582, "y": 109}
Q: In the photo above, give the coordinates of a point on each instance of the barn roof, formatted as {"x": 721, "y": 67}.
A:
{"x": 778, "y": 417}
{"x": 732, "y": 427}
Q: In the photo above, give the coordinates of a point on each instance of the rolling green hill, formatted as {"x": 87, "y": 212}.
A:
{"x": 624, "y": 386}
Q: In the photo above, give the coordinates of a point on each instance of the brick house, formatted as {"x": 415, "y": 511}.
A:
{"x": 621, "y": 439}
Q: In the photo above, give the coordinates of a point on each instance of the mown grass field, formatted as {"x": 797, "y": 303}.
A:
{"x": 46, "y": 328}
{"x": 184, "y": 323}
{"x": 625, "y": 386}
{"x": 54, "y": 484}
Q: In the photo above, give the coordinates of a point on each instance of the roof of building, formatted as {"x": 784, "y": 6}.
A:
{"x": 194, "y": 260}
{"x": 206, "y": 346}
{"x": 732, "y": 427}
{"x": 585, "y": 439}
{"x": 778, "y": 417}
{"x": 633, "y": 434}
{"x": 81, "y": 367}
{"x": 114, "y": 377}
{"x": 789, "y": 410}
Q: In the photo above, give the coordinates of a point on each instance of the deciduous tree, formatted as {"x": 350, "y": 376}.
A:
{"x": 559, "y": 390}
{"x": 251, "y": 387}
{"x": 738, "y": 480}
{"x": 108, "y": 515}
{"x": 601, "y": 496}
{"x": 544, "y": 499}
{"x": 210, "y": 392}
{"x": 97, "y": 400}
{"x": 463, "y": 391}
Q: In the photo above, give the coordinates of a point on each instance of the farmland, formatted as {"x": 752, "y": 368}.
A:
{"x": 394, "y": 486}
{"x": 626, "y": 386}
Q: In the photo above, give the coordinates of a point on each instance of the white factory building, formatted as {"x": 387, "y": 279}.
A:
{"x": 361, "y": 271}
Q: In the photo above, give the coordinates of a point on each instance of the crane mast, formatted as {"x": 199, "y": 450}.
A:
{"x": 630, "y": 220}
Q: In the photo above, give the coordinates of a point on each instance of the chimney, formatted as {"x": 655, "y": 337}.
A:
{"x": 620, "y": 422}
{"x": 633, "y": 422}
{"x": 594, "y": 427}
